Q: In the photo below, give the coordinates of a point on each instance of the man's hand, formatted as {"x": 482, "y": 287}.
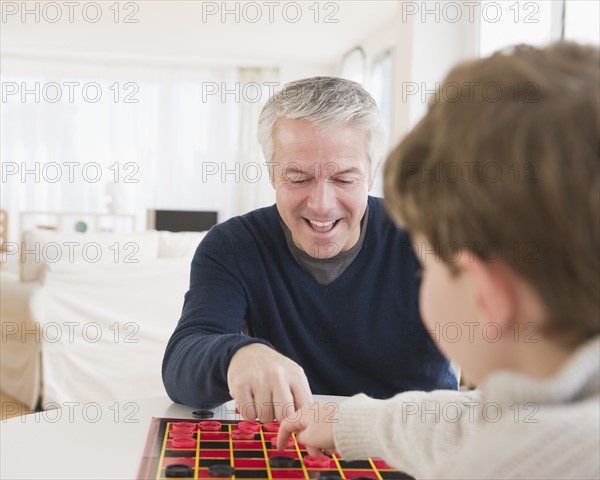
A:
{"x": 265, "y": 384}
{"x": 313, "y": 426}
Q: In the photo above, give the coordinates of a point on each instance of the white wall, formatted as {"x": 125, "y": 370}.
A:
{"x": 290, "y": 71}
{"x": 436, "y": 47}
{"x": 425, "y": 46}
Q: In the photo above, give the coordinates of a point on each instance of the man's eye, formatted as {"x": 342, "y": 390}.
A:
{"x": 342, "y": 181}
{"x": 298, "y": 181}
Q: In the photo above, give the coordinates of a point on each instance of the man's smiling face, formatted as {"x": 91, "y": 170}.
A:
{"x": 321, "y": 180}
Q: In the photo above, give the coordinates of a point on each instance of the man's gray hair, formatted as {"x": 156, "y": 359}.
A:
{"x": 325, "y": 102}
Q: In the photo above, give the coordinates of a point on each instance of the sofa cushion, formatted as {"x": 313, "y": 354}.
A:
{"x": 105, "y": 328}
{"x": 179, "y": 244}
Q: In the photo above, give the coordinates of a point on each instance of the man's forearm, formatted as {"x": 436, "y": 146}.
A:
{"x": 195, "y": 367}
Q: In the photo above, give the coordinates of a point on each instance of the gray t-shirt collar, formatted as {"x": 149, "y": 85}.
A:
{"x": 327, "y": 270}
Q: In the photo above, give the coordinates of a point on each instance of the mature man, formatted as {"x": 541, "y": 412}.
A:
{"x": 316, "y": 294}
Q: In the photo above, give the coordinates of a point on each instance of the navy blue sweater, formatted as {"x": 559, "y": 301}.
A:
{"x": 360, "y": 333}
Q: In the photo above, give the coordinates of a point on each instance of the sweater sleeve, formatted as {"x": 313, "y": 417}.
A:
{"x": 210, "y": 329}
{"x": 409, "y": 431}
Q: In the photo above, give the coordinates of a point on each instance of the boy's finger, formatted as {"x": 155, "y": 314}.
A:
{"x": 315, "y": 452}
{"x": 286, "y": 428}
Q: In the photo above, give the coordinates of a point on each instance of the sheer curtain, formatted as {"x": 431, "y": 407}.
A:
{"x": 254, "y": 189}
{"x": 117, "y": 137}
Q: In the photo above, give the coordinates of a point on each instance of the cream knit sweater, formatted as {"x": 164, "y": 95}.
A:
{"x": 515, "y": 427}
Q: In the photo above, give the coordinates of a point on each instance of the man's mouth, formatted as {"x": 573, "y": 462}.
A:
{"x": 321, "y": 227}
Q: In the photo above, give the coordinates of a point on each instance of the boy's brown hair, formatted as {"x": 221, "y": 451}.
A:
{"x": 506, "y": 164}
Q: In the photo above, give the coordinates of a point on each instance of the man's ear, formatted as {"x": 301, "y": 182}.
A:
{"x": 372, "y": 177}
{"x": 272, "y": 178}
{"x": 493, "y": 284}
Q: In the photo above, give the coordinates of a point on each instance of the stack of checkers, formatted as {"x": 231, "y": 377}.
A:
{"x": 208, "y": 449}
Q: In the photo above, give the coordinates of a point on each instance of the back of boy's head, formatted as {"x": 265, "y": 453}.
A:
{"x": 506, "y": 164}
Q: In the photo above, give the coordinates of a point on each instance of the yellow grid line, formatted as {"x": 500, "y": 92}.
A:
{"x": 162, "y": 451}
{"x": 337, "y": 463}
{"x": 300, "y": 459}
{"x": 264, "y": 447}
{"x": 197, "y": 463}
{"x": 231, "y": 456}
{"x": 375, "y": 469}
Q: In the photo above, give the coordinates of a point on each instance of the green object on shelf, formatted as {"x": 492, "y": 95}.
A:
{"x": 81, "y": 227}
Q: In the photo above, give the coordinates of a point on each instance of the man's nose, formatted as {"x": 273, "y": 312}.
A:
{"x": 322, "y": 198}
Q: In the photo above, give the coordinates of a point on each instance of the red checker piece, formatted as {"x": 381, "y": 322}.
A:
{"x": 317, "y": 462}
{"x": 290, "y": 442}
{"x": 242, "y": 435}
{"x": 181, "y": 433}
{"x": 210, "y": 425}
{"x": 190, "y": 462}
{"x": 183, "y": 426}
{"x": 271, "y": 427}
{"x": 183, "y": 442}
{"x": 249, "y": 425}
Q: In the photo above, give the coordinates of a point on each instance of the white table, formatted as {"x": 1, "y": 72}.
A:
{"x": 89, "y": 440}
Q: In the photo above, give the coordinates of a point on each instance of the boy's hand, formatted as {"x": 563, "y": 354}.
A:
{"x": 313, "y": 426}
{"x": 266, "y": 385}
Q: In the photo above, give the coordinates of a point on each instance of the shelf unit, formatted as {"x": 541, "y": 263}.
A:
{"x": 66, "y": 221}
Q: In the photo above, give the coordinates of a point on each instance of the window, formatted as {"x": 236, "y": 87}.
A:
{"x": 108, "y": 137}
{"x": 353, "y": 65}
{"x": 381, "y": 87}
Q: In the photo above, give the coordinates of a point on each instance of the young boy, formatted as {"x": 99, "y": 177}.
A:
{"x": 499, "y": 184}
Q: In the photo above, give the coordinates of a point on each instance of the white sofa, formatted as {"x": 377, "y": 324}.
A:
{"x": 78, "y": 328}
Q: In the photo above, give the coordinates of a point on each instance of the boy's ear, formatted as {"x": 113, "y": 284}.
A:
{"x": 493, "y": 283}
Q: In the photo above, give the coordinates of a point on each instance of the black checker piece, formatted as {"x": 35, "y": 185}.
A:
{"x": 281, "y": 461}
{"x": 220, "y": 470}
{"x": 179, "y": 470}
{"x": 203, "y": 414}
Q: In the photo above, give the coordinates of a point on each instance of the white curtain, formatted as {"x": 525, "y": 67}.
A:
{"x": 123, "y": 137}
{"x": 254, "y": 189}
